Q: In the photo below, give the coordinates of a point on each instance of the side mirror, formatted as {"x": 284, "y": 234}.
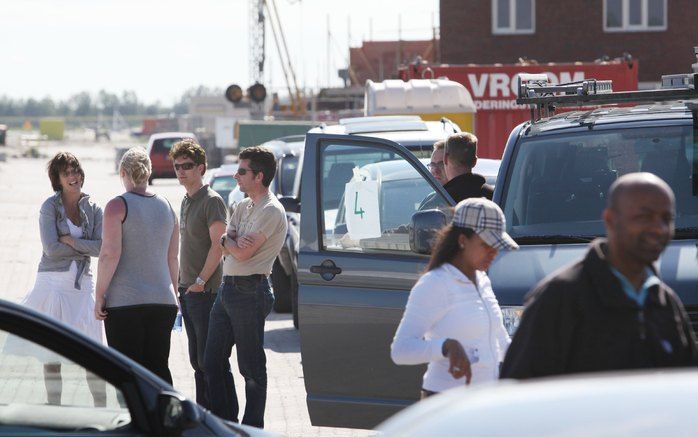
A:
{"x": 423, "y": 229}
{"x": 177, "y": 413}
{"x": 290, "y": 204}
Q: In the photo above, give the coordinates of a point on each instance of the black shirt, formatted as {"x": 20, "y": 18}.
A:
{"x": 468, "y": 185}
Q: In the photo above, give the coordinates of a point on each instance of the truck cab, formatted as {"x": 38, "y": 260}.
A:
{"x": 359, "y": 257}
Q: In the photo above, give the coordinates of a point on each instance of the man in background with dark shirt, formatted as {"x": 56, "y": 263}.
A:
{"x": 459, "y": 159}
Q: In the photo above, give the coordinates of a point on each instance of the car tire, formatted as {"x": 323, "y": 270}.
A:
{"x": 282, "y": 288}
{"x": 294, "y": 300}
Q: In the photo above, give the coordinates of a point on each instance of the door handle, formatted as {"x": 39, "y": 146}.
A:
{"x": 327, "y": 270}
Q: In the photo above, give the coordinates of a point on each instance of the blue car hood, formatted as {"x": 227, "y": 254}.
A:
{"x": 514, "y": 274}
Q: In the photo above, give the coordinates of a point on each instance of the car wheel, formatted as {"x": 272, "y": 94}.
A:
{"x": 282, "y": 288}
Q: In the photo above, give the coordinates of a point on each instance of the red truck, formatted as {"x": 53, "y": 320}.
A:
{"x": 493, "y": 89}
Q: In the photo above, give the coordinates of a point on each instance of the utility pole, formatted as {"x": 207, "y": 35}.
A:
{"x": 329, "y": 37}
{"x": 399, "y": 41}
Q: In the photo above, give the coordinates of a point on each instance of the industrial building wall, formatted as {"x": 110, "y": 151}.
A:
{"x": 567, "y": 31}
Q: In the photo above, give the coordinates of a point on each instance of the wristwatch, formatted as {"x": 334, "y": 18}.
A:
{"x": 200, "y": 281}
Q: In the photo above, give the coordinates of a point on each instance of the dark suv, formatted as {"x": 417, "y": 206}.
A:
{"x": 552, "y": 187}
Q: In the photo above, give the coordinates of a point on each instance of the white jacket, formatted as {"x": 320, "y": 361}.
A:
{"x": 443, "y": 304}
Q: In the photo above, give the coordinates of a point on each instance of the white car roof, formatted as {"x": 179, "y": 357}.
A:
{"x": 612, "y": 404}
{"x": 161, "y": 135}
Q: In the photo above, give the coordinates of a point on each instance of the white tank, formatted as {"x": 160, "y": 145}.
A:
{"x": 417, "y": 96}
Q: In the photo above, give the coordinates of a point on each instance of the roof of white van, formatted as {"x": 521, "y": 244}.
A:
{"x": 172, "y": 134}
{"x": 382, "y": 126}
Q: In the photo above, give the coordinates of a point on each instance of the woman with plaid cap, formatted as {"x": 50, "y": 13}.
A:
{"x": 452, "y": 320}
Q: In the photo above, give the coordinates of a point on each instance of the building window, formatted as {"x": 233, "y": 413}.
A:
{"x": 635, "y": 15}
{"x": 513, "y": 16}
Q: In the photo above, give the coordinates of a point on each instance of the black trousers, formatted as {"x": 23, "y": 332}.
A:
{"x": 142, "y": 333}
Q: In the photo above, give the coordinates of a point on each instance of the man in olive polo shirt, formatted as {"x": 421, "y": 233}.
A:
{"x": 202, "y": 220}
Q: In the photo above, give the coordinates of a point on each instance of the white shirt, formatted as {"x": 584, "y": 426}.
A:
{"x": 444, "y": 304}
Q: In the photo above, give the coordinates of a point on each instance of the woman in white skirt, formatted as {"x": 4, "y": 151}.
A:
{"x": 71, "y": 233}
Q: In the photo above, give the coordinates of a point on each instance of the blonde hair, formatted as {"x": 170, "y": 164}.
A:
{"x": 136, "y": 165}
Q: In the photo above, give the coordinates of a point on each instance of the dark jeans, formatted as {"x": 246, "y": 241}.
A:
{"x": 237, "y": 319}
{"x": 142, "y": 333}
{"x": 196, "y": 308}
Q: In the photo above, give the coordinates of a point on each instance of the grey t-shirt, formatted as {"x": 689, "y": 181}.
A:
{"x": 198, "y": 213}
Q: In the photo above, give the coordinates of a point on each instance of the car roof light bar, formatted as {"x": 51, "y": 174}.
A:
{"x": 535, "y": 91}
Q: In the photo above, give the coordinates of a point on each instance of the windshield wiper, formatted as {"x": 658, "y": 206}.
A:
{"x": 543, "y": 239}
{"x": 685, "y": 233}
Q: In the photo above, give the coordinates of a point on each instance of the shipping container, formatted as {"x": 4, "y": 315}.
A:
{"x": 53, "y": 128}
{"x": 493, "y": 89}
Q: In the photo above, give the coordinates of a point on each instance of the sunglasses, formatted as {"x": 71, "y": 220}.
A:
{"x": 435, "y": 165}
{"x": 243, "y": 171}
{"x": 185, "y": 166}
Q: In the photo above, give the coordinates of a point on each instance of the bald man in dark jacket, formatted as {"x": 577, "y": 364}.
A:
{"x": 609, "y": 311}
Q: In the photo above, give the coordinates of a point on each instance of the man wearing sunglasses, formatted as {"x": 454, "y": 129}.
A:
{"x": 202, "y": 220}
{"x": 255, "y": 234}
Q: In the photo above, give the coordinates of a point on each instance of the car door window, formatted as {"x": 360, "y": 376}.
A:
{"x": 287, "y": 174}
{"x": 73, "y": 399}
{"x": 368, "y": 198}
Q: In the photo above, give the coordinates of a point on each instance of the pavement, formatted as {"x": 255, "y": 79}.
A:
{"x": 24, "y": 185}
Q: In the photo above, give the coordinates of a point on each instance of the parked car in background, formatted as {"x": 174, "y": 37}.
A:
{"x": 138, "y": 402}
{"x": 552, "y": 185}
{"x": 222, "y": 179}
{"x": 159, "y": 146}
{"x": 641, "y": 404}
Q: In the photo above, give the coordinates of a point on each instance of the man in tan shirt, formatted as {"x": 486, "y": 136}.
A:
{"x": 256, "y": 231}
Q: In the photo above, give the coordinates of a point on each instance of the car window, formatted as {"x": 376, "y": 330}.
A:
{"x": 223, "y": 185}
{"x": 559, "y": 184}
{"x": 29, "y": 394}
{"x": 163, "y": 145}
{"x": 287, "y": 173}
{"x": 369, "y": 196}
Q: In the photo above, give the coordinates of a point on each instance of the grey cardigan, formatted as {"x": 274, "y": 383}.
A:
{"x": 53, "y": 224}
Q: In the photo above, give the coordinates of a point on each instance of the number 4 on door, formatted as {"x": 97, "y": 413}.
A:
{"x": 359, "y": 211}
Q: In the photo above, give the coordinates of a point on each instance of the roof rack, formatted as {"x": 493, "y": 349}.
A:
{"x": 543, "y": 97}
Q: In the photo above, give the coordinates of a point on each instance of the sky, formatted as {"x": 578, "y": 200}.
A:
{"x": 160, "y": 48}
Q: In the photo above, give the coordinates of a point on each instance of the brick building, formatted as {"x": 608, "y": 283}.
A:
{"x": 379, "y": 60}
{"x": 660, "y": 33}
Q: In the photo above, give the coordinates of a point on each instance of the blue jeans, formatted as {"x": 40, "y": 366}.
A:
{"x": 196, "y": 308}
{"x": 237, "y": 319}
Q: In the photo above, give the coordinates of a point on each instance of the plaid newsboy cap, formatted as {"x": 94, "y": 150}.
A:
{"x": 486, "y": 219}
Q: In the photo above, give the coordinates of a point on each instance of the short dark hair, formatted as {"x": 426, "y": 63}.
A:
{"x": 462, "y": 148}
{"x": 261, "y": 160}
{"x": 60, "y": 163}
{"x": 189, "y": 148}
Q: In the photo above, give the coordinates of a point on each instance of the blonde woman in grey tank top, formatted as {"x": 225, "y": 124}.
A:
{"x": 138, "y": 267}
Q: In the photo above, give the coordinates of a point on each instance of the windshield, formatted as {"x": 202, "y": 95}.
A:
{"x": 559, "y": 184}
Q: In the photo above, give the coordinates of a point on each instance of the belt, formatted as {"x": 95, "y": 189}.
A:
{"x": 227, "y": 279}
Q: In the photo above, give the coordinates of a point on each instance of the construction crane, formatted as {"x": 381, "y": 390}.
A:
{"x": 257, "y": 24}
